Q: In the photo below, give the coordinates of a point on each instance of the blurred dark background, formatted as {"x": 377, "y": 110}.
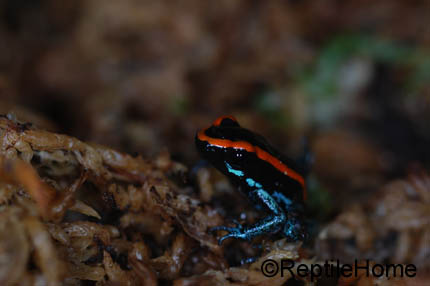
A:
{"x": 142, "y": 76}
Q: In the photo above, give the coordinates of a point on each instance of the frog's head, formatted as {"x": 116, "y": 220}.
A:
{"x": 217, "y": 142}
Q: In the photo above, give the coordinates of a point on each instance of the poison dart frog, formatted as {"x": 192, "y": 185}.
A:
{"x": 271, "y": 181}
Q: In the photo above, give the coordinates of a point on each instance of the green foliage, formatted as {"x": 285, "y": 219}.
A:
{"x": 320, "y": 201}
{"x": 179, "y": 105}
{"x": 320, "y": 79}
{"x": 269, "y": 104}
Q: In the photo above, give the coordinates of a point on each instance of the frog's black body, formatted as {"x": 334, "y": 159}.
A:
{"x": 271, "y": 181}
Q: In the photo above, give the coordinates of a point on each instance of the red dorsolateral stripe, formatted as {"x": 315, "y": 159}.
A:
{"x": 263, "y": 155}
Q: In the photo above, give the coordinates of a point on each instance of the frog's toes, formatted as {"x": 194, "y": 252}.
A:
{"x": 234, "y": 232}
{"x": 237, "y": 227}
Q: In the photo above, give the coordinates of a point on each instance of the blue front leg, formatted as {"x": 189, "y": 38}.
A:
{"x": 270, "y": 224}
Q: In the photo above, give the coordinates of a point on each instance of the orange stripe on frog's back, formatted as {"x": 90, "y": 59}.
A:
{"x": 261, "y": 154}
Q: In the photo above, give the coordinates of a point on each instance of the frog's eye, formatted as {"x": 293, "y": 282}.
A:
{"x": 226, "y": 121}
